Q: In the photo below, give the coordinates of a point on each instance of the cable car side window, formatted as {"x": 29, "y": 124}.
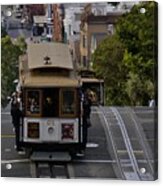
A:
{"x": 68, "y": 102}
{"x": 33, "y": 103}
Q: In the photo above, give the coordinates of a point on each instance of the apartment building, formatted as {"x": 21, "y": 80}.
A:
{"x": 96, "y": 25}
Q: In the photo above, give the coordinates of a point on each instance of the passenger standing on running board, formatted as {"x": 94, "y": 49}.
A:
{"x": 87, "y": 103}
{"x": 16, "y": 118}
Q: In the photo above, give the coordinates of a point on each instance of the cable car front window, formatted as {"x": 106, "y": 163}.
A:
{"x": 50, "y": 102}
{"x": 68, "y": 103}
{"x": 33, "y": 106}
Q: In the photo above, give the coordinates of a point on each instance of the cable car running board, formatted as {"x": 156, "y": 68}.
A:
{"x": 50, "y": 164}
{"x": 50, "y": 156}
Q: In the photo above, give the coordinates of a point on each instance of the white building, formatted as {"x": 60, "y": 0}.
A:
{"x": 49, "y": 22}
{"x": 72, "y": 21}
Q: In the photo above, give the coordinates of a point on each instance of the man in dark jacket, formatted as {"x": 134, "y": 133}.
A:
{"x": 87, "y": 103}
{"x": 16, "y": 119}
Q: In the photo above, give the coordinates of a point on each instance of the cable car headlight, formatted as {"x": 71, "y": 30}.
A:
{"x": 50, "y": 130}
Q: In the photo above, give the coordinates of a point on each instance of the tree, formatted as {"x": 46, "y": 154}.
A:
{"x": 20, "y": 42}
{"x": 128, "y": 60}
{"x": 9, "y": 67}
{"x": 139, "y": 91}
{"x": 107, "y": 63}
{"x": 138, "y": 32}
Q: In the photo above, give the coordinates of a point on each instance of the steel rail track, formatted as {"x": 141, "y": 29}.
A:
{"x": 145, "y": 146}
{"x": 57, "y": 170}
{"x": 109, "y": 138}
{"x": 129, "y": 163}
{"x": 128, "y": 145}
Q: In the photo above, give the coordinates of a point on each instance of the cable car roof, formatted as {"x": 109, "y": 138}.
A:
{"x": 92, "y": 80}
{"x": 50, "y": 81}
{"x": 48, "y": 55}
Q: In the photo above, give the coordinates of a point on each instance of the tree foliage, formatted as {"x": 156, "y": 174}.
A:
{"x": 136, "y": 56}
{"x": 138, "y": 32}
{"x": 9, "y": 66}
{"x": 107, "y": 65}
{"x": 20, "y": 42}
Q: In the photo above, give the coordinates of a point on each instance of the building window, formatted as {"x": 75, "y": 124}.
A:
{"x": 96, "y": 39}
{"x": 93, "y": 43}
{"x": 33, "y": 104}
{"x": 67, "y": 102}
{"x": 84, "y": 41}
{"x": 84, "y": 61}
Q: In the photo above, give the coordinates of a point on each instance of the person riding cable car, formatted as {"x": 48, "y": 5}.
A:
{"x": 87, "y": 103}
{"x": 16, "y": 114}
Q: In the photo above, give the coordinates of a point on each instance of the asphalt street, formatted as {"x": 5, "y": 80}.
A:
{"x": 100, "y": 160}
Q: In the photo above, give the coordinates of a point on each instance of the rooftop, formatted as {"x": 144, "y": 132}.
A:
{"x": 47, "y": 55}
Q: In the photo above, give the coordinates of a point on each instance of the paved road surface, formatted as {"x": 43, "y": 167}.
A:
{"x": 114, "y": 154}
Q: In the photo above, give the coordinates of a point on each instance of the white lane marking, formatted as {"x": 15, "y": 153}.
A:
{"x": 127, "y": 161}
{"x": 92, "y": 145}
{"x": 5, "y": 113}
{"x": 99, "y": 112}
{"x": 15, "y": 161}
{"x": 134, "y": 151}
{"x": 7, "y": 136}
{"x": 95, "y": 161}
{"x": 79, "y": 161}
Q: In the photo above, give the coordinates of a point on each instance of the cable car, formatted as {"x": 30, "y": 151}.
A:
{"x": 51, "y": 100}
{"x": 95, "y": 85}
